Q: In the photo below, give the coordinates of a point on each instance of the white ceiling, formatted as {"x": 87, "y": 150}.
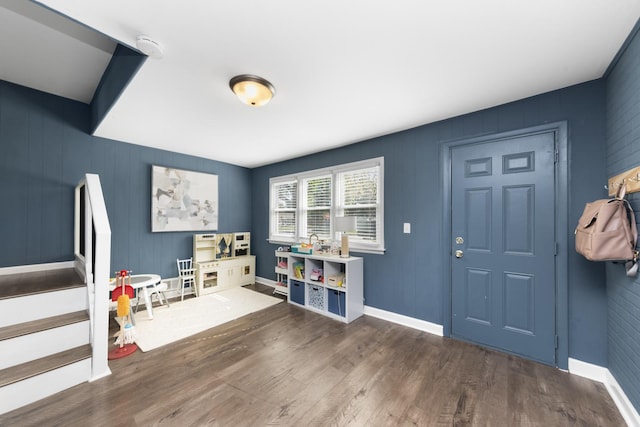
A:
{"x": 45, "y": 51}
{"x": 344, "y": 71}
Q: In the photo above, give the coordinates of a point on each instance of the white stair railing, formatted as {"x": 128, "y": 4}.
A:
{"x": 92, "y": 248}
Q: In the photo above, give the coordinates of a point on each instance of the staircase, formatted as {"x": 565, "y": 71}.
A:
{"x": 44, "y": 335}
{"x": 54, "y": 318}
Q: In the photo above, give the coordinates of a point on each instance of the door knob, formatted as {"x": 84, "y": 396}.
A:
{"x": 459, "y": 254}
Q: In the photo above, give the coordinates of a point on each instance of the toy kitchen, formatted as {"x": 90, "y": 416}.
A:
{"x": 222, "y": 261}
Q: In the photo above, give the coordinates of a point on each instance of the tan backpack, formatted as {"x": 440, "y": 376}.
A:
{"x": 607, "y": 231}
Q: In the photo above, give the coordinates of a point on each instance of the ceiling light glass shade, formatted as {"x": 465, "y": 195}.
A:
{"x": 252, "y": 90}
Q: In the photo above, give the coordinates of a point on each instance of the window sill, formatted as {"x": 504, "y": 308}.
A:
{"x": 351, "y": 249}
{"x": 367, "y": 251}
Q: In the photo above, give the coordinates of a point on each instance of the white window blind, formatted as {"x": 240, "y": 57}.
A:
{"x": 308, "y": 203}
{"x": 359, "y": 197}
{"x": 284, "y": 201}
{"x": 317, "y": 206}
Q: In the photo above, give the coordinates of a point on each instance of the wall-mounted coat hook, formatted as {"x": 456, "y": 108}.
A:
{"x": 631, "y": 178}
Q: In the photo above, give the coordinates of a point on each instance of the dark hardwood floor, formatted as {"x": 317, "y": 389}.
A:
{"x": 35, "y": 282}
{"x": 287, "y": 366}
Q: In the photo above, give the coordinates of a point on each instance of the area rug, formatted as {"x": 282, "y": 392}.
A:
{"x": 185, "y": 318}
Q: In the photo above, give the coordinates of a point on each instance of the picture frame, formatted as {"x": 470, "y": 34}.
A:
{"x": 183, "y": 200}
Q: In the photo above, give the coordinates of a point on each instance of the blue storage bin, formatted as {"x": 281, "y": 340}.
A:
{"x": 296, "y": 292}
{"x": 337, "y": 302}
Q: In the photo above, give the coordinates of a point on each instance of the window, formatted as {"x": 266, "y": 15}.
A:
{"x": 306, "y": 203}
{"x": 284, "y": 201}
{"x": 316, "y": 206}
{"x": 359, "y": 197}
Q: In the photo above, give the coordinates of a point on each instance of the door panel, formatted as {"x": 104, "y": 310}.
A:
{"x": 518, "y": 215}
{"x": 503, "y": 222}
{"x": 478, "y": 208}
{"x": 518, "y": 303}
{"x": 478, "y": 296}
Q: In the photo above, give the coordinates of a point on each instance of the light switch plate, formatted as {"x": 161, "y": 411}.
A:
{"x": 407, "y": 227}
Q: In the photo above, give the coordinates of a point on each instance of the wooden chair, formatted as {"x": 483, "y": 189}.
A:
{"x": 186, "y": 275}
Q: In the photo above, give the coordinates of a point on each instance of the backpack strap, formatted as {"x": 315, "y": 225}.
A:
{"x": 632, "y": 266}
{"x": 622, "y": 191}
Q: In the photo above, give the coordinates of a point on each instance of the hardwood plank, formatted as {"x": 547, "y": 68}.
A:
{"x": 21, "y": 284}
{"x": 400, "y": 383}
{"x": 352, "y": 398}
{"x": 290, "y": 367}
{"x": 45, "y": 364}
{"x": 42, "y": 324}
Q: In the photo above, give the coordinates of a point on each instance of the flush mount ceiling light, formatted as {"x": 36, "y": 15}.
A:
{"x": 149, "y": 47}
{"x": 252, "y": 90}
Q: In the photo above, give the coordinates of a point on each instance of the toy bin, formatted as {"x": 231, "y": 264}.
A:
{"x": 337, "y": 302}
{"x": 315, "y": 294}
{"x": 296, "y": 292}
{"x": 297, "y": 249}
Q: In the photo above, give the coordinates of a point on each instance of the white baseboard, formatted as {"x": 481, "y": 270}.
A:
{"x": 603, "y": 375}
{"x": 422, "y": 325}
{"x": 265, "y": 281}
{"x": 588, "y": 370}
{"x": 36, "y": 267}
{"x": 621, "y": 400}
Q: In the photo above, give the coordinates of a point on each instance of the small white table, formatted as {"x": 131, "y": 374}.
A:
{"x": 144, "y": 282}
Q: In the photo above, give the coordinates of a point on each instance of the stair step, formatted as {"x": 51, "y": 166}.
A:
{"x": 46, "y": 364}
{"x": 37, "y": 306}
{"x": 26, "y": 328}
{"x": 36, "y": 282}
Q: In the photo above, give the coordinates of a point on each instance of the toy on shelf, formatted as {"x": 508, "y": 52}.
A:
{"x": 337, "y": 281}
{"x": 317, "y": 275}
{"x": 298, "y": 270}
{"x": 302, "y": 248}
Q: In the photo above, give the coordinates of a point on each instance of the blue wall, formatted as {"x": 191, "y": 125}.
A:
{"x": 408, "y": 278}
{"x": 122, "y": 68}
{"x": 45, "y": 149}
{"x": 623, "y": 153}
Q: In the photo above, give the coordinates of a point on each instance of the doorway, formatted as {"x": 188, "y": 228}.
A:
{"x": 505, "y": 219}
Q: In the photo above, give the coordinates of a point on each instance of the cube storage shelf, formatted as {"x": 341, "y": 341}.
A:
{"x": 328, "y": 285}
{"x": 282, "y": 273}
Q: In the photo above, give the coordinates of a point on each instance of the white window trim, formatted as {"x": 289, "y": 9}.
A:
{"x": 377, "y": 248}
{"x": 279, "y": 238}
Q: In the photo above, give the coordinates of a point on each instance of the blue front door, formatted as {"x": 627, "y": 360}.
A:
{"x": 503, "y": 244}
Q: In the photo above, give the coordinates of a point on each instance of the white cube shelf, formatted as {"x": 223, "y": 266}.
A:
{"x": 328, "y": 285}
